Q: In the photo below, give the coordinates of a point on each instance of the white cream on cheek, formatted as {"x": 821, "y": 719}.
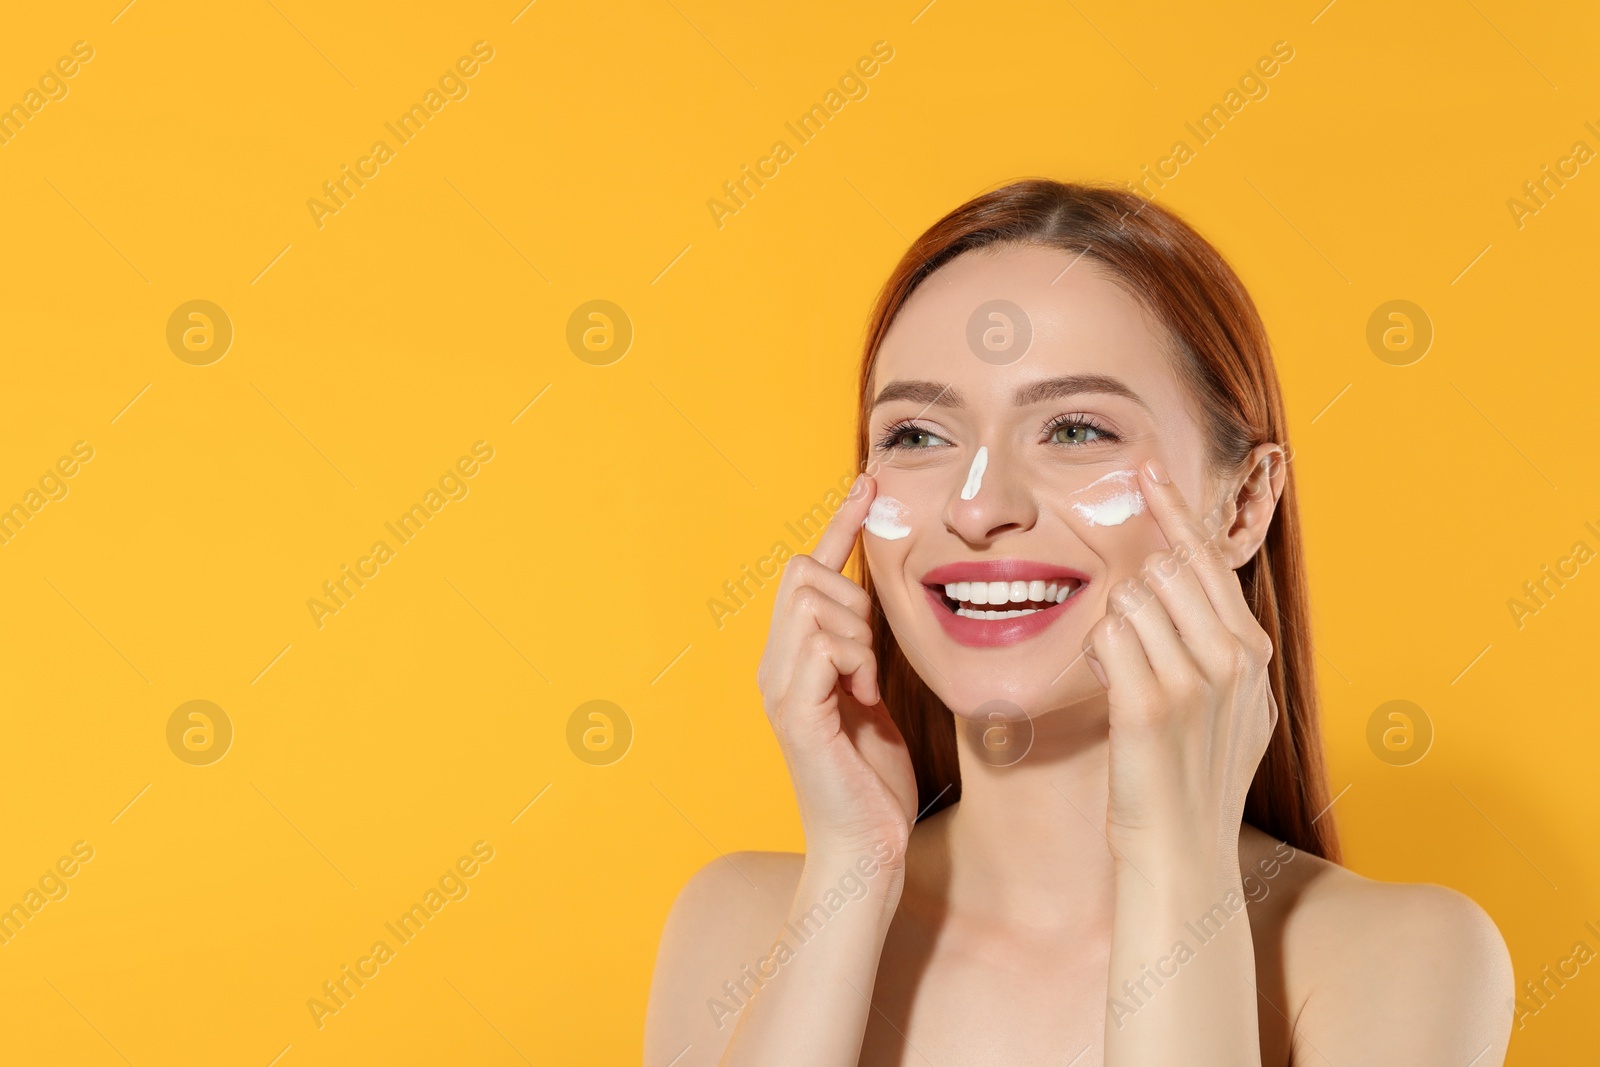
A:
{"x": 887, "y": 518}
{"x": 980, "y": 463}
{"x": 1109, "y": 501}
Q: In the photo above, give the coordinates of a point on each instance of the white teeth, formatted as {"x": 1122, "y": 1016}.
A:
{"x": 969, "y": 594}
{"x": 971, "y": 614}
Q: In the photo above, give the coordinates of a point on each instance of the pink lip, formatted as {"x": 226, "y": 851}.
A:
{"x": 1000, "y": 570}
{"x": 993, "y": 633}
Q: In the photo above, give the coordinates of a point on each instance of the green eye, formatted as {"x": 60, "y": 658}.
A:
{"x": 909, "y": 437}
{"x": 1074, "y": 431}
{"x": 915, "y": 439}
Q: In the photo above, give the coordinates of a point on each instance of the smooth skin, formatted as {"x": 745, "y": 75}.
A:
{"x": 1099, "y": 901}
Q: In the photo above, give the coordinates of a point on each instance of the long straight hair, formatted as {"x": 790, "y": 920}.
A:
{"x": 1224, "y": 359}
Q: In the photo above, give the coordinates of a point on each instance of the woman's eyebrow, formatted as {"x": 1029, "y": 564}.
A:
{"x": 1068, "y": 385}
{"x": 931, "y": 393}
{"x": 919, "y": 392}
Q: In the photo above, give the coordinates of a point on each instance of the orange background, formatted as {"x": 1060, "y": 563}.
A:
{"x": 368, "y": 354}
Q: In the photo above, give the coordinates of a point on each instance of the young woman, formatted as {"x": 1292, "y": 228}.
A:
{"x": 1056, "y": 755}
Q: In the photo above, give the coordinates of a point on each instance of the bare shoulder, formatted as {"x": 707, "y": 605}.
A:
{"x": 723, "y": 921}
{"x": 1388, "y": 972}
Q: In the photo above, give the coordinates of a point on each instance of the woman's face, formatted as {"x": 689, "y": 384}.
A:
{"x": 1094, "y": 393}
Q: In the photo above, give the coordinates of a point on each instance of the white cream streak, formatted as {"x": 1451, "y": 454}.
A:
{"x": 980, "y": 463}
{"x": 887, "y": 518}
{"x": 1109, "y": 501}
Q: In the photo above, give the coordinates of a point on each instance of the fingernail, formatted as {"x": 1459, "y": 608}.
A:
{"x": 855, "y": 486}
{"x": 1156, "y": 471}
{"x": 1098, "y": 671}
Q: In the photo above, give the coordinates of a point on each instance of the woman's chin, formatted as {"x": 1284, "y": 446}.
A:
{"x": 991, "y": 684}
{"x": 1012, "y": 703}
{"x": 1012, "y": 699}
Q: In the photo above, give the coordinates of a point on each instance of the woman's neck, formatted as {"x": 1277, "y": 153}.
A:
{"x": 1027, "y": 839}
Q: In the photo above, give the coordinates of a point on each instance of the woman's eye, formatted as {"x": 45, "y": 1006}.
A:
{"x": 911, "y": 439}
{"x": 916, "y": 439}
{"x": 1077, "y": 433}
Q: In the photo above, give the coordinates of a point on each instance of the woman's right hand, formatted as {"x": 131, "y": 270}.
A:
{"x": 819, "y": 682}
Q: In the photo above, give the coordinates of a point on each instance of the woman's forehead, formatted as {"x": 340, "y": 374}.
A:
{"x": 1064, "y": 311}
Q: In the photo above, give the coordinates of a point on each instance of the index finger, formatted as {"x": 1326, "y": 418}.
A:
{"x": 1195, "y": 542}
{"x": 834, "y": 546}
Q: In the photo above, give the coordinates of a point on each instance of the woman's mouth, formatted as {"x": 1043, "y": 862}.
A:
{"x": 1007, "y": 600}
{"x": 1000, "y": 602}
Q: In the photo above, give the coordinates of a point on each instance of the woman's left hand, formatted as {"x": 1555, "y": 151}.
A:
{"x": 1185, "y": 664}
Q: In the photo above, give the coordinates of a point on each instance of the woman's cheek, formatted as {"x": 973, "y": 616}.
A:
{"x": 1110, "y": 500}
{"x": 1112, "y": 518}
{"x": 886, "y": 540}
{"x": 888, "y": 519}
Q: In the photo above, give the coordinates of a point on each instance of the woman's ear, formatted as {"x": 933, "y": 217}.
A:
{"x": 1255, "y": 501}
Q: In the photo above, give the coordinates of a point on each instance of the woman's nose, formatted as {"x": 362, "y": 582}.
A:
{"x": 988, "y": 498}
